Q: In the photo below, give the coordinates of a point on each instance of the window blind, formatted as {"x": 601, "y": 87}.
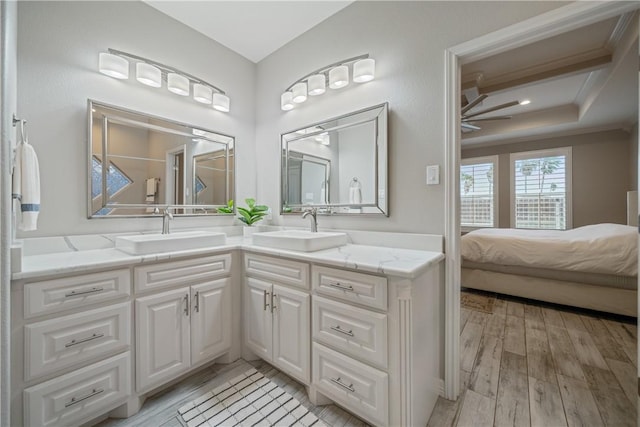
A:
{"x": 540, "y": 185}
{"x": 477, "y": 196}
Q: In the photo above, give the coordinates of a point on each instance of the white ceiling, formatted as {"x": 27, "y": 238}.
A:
{"x": 254, "y": 29}
{"x": 577, "y": 102}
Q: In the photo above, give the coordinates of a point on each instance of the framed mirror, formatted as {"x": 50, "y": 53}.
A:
{"x": 139, "y": 164}
{"x": 338, "y": 166}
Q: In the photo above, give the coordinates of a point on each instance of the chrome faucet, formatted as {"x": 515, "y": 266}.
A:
{"x": 313, "y": 212}
{"x": 166, "y": 216}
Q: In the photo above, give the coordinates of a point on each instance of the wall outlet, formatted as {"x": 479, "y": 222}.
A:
{"x": 433, "y": 175}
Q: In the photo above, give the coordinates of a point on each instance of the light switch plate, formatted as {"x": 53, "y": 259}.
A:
{"x": 433, "y": 175}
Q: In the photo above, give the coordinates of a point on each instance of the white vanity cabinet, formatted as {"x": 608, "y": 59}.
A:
{"x": 183, "y": 327}
{"x": 376, "y": 344}
{"x": 71, "y": 342}
{"x": 276, "y": 315}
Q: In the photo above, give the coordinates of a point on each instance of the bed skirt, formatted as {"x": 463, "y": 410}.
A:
{"x": 595, "y": 297}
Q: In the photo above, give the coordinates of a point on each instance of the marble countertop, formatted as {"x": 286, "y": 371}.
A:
{"x": 405, "y": 263}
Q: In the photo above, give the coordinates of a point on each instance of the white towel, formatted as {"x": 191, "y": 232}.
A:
{"x": 151, "y": 187}
{"x": 355, "y": 193}
{"x": 26, "y": 186}
{"x": 152, "y": 190}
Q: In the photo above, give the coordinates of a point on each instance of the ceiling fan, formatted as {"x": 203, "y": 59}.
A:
{"x": 468, "y": 118}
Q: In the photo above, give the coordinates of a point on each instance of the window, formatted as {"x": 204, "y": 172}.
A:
{"x": 116, "y": 179}
{"x": 541, "y": 189}
{"x": 478, "y": 195}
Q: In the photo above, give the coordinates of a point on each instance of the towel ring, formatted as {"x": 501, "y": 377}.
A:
{"x": 23, "y": 125}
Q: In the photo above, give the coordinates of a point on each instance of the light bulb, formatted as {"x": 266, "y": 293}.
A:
{"x": 202, "y": 93}
{"x": 317, "y": 84}
{"x": 178, "y": 84}
{"x": 299, "y": 92}
{"x": 364, "y": 70}
{"x": 339, "y": 77}
{"x": 113, "y": 65}
{"x": 286, "y": 101}
{"x": 221, "y": 102}
{"x": 148, "y": 74}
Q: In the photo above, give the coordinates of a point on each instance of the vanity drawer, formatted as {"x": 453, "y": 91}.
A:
{"x": 354, "y": 385}
{"x": 167, "y": 274}
{"x": 360, "y": 288}
{"x": 80, "y": 395}
{"x": 52, "y": 296}
{"x": 285, "y": 271}
{"x": 357, "y": 332}
{"x": 62, "y": 342}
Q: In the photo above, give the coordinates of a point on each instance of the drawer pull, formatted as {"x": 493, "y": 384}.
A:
{"x": 342, "y": 331}
{"x": 88, "y": 291}
{"x": 186, "y": 304}
{"x": 76, "y": 342}
{"x": 73, "y": 400}
{"x": 197, "y": 302}
{"x": 273, "y": 302}
{"x": 265, "y": 304}
{"x": 343, "y": 385}
{"x": 342, "y": 287}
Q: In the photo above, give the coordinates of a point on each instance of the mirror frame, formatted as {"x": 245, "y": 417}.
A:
{"x": 381, "y": 163}
{"x": 175, "y": 207}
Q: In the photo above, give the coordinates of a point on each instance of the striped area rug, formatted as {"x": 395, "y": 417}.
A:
{"x": 250, "y": 399}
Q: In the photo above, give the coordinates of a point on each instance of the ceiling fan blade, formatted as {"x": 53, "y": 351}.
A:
{"x": 473, "y": 103}
{"x": 469, "y": 126}
{"x": 488, "y": 110}
{"x": 484, "y": 119}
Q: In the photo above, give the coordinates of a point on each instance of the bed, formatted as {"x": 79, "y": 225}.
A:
{"x": 593, "y": 267}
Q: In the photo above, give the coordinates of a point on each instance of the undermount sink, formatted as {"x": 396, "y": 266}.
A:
{"x": 142, "y": 244}
{"x": 300, "y": 240}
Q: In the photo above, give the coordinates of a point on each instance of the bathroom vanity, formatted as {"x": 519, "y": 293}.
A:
{"x": 96, "y": 331}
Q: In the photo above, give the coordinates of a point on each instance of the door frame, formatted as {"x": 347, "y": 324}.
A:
{"x": 549, "y": 24}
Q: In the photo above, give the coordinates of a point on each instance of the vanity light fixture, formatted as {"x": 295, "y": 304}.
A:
{"x": 299, "y": 92}
{"x": 336, "y": 75}
{"x": 148, "y": 74}
{"x": 115, "y": 63}
{"x": 286, "y": 101}
{"x": 178, "y": 84}
{"x": 339, "y": 77}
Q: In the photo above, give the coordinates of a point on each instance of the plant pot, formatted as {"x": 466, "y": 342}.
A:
{"x": 248, "y": 231}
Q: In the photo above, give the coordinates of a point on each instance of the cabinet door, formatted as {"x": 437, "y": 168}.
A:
{"x": 162, "y": 337}
{"x": 291, "y": 332}
{"x": 257, "y": 315}
{"x": 210, "y": 319}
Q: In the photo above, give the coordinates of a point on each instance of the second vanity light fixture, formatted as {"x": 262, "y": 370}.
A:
{"x": 115, "y": 63}
{"x": 336, "y": 75}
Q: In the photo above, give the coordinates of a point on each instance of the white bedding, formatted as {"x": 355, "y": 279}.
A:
{"x": 599, "y": 248}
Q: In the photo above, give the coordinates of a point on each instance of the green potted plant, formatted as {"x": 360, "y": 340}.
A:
{"x": 251, "y": 214}
{"x": 226, "y": 209}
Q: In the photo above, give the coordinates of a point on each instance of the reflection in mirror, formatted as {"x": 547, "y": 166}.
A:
{"x": 154, "y": 163}
{"x": 308, "y": 179}
{"x": 338, "y": 166}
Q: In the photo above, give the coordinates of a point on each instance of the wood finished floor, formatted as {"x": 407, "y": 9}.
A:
{"x": 529, "y": 364}
{"x": 161, "y": 410}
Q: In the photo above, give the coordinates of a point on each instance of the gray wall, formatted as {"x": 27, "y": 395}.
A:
{"x": 58, "y": 47}
{"x": 601, "y": 174}
{"x": 407, "y": 40}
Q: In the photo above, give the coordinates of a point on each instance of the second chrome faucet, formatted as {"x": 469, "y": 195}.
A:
{"x": 313, "y": 212}
{"x": 166, "y": 217}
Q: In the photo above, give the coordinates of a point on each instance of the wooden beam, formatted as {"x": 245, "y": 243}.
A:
{"x": 575, "y": 64}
